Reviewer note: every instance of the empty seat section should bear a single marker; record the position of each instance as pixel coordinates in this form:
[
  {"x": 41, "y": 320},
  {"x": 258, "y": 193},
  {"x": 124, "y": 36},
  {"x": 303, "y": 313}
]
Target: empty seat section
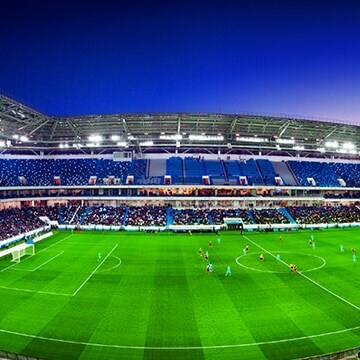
[
  {"x": 251, "y": 172},
  {"x": 174, "y": 168},
  {"x": 233, "y": 171},
  {"x": 267, "y": 171},
  {"x": 194, "y": 170},
  {"x": 215, "y": 170}
]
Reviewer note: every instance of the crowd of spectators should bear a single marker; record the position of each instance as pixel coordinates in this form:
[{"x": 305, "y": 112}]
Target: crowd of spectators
[
  {"x": 146, "y": 216},
  {"x": 15, "y": 221},
  {"x": 218, "y": 215},
  {"x": 341, "y": 214},
  {"x": 269, "y": 216},
  {"x": 104, "y": 215},
  {"x": 308, "y": 214},
  {"x": 191, "y": 217}
]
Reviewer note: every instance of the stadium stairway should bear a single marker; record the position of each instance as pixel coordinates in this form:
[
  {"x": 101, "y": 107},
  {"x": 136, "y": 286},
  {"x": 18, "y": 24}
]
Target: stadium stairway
[
  {"x": 169, "y": 216},
  {"x": 60, "y": 216},
  {"x": 84, "y": 215},
  {"x": 125, "y": 216},
  {"x": 285, "y": 212},
  {"x": 251, "y": 216}
]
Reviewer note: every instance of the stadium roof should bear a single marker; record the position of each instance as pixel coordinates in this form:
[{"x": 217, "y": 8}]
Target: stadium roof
[{"x": 23, "y": 129}]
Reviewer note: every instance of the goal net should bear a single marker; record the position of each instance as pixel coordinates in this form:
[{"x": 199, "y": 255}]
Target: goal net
[{"x": 22, "y": 250}]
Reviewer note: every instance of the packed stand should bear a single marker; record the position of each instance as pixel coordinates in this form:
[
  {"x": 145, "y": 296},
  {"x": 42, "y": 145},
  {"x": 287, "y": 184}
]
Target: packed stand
[
  {"x": 146, "y": 216},
  {"x": 190, "y": 217},
  {"x": 308, "y": 214},
  {"x": 218, "y": 215},
  {"x": 105, "y": 215},
  {"x": 269, "y": 216},
  {"x": 16, "y": 221}
]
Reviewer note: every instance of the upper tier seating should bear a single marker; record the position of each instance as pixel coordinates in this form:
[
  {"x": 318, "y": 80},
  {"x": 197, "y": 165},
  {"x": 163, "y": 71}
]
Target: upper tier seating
[
  {"x": 267, "y": 171},
  {"x": 174, "y": 168},
  {"x": 194, "y": 170},
  {"x": 96, "y": 171},
  {"x": 324, "y": 174},
  {"x": 250, "y": 170}
]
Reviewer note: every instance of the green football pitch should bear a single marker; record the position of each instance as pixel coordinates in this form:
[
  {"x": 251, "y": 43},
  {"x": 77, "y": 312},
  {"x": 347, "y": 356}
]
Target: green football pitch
[{"x": 120, "y": 295}]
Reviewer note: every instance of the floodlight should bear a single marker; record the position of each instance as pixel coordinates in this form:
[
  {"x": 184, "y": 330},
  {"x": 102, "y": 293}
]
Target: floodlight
[
  {"x": 285, "y": 141},
  {"x": 206, "y": 137},
  {"x": 170, "y": 137},
  {"x": 332, "y": 144},
  {"x": 95, "y": 138},
  {"x": 348, "y": 145},
  {"x": 122, "y": 144},
  {"x": 24, "y": 138},
  {"x": 252, "y": 139},
  {"x": 115, "y": 137},
  {"x": 146, "y": 143}
]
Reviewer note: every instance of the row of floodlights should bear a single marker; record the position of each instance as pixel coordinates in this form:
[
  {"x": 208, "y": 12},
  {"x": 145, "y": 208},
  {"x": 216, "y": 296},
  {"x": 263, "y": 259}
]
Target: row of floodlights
[{"x": 95, "y": 141}]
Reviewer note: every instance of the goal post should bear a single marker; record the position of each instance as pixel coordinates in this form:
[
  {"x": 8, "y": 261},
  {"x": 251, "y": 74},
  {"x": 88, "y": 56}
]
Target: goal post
[{"x": 19, "y": 251}]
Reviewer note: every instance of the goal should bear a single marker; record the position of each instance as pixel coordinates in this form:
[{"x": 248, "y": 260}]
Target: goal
[{"x": 19, "y": 251}]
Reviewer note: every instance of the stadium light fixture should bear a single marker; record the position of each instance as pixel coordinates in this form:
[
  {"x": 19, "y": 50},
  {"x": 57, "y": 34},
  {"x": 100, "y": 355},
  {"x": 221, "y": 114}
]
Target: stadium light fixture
[
  {"x": 171, "y": 137},
  {"x": 95, "y": 138},
  {"x": 298, "y": 147},
  {"x": 206, "y": 137},
  {"x": 2, "y": 143},
  {"x": 146, "y": 143},
  {"x": 16, "y": 136},
  {"x": 115, "y": 137},
  {"x": 348, "y": 146},
  {"x": 63, "y": 146},
  {"x": 332, "y": 144},
  {"x": 321, "y": 149},
  {"x": 252, "y": 139},
  {"x": 346, "y": 151},
  {"x": 122, "y": 144},
  {"x": 24, "y": 138},
  {"x": 92, "y": 144},
  {"x": 285, "y": 141},
  {"x": 77, "y": 145}
]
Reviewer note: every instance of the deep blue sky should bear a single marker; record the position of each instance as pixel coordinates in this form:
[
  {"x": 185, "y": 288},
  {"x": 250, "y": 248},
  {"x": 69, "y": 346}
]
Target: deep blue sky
[{"x": 74, "y": 57}]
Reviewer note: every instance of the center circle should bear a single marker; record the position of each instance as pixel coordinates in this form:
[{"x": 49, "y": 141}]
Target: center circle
[{"x": 295, "y": 259}]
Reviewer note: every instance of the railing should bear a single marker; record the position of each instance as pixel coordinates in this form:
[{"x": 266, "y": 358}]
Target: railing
[
  {"x": 4, "y": 355},
  {"x": 341, "y": 355}
]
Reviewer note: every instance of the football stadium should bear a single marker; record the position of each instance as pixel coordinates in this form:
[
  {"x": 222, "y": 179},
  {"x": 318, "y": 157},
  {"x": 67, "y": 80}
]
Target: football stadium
[{"x": 178, "y": 236}]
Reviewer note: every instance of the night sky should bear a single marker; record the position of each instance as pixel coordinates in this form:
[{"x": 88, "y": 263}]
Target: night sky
[{"x": 275, "y": 57}]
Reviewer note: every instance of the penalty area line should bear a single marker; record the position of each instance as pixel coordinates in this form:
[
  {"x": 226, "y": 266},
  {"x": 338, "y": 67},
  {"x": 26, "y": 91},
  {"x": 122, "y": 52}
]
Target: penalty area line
[
  {"x": 46, "y": 262},
  {"x": 94, "y": 271},
  {"x": 306, "y": 277},
  {"x": 34, "y": 291},
  {"x": 57, "y": 242}
]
